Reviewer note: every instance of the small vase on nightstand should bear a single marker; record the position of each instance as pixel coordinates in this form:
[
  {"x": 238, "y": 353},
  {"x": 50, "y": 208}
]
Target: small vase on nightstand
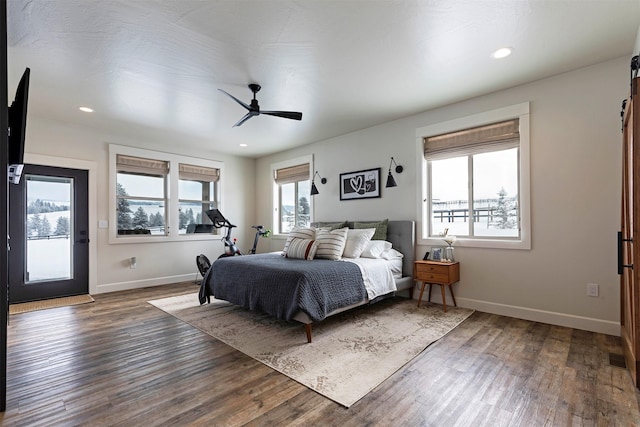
[
  {"x": 448, "y": 254},
  {"x": 448, "y": 250}
]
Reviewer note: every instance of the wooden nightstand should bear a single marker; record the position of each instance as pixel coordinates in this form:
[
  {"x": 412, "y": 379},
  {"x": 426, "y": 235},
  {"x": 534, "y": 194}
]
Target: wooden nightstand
[{"x": 436, "y": 273}]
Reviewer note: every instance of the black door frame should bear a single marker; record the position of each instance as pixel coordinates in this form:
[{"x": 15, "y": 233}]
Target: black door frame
[
  {"x": 4, "y": 211},
  {"x": 19, "y": 291}
]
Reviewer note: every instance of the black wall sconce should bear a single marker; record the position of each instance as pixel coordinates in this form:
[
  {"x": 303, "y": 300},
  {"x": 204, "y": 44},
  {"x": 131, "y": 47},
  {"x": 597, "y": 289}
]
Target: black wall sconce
[
  {"x": 391, "y": 182},
  {"x": 314, "y": 189}
]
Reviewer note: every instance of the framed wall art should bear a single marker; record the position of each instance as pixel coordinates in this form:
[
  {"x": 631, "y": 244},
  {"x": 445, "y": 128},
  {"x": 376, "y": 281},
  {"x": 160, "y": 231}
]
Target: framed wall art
[{"x": 363, "y": 184}]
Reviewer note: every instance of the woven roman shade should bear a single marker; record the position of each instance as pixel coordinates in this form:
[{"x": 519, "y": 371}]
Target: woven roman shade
[
  {"x": 292, "y": 174},
  {"x": 481, "y": 139},
  {"x": 198, "y": 173},
  {"x": 142, "y": 166}
]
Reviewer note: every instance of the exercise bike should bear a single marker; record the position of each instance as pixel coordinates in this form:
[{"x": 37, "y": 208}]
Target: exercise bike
[{"x": 230, "y": 245}]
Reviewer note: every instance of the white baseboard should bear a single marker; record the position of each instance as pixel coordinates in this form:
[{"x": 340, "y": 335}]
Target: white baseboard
[
  {"x": 136, "y": 284},
  {"x": 550, "y": 317}
]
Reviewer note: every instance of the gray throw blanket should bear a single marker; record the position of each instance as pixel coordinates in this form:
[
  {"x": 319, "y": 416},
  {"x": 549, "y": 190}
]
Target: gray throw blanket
[{"x": 283, "y": 286}]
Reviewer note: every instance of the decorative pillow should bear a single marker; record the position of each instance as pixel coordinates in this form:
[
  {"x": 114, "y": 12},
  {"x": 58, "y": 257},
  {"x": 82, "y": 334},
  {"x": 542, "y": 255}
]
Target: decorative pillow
[
  {"x": 380, "y": 226},
  {"x": 331, "y": 243},
  {"x": 302, "y": 249},
  {"x": 357, "y": 242},
  {"x": 298, "y": 233},
  {"x": 330, "y": 225},
  {"x": 375, "y": 249}
]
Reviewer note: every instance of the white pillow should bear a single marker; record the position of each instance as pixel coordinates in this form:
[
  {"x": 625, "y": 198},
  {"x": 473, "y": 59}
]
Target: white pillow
[
  {"x": 298, "y": 233},
  {"x": 331, "y": 243},
  {"x": 302, "y": 249},
  {"x": 391, "y": 254},
  {"x": 357, "y": 241},
  {"x": 375, "y": 249}
]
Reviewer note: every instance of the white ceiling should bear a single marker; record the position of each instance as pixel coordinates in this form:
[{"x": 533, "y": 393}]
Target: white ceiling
[{"x": 151, "y": 68}]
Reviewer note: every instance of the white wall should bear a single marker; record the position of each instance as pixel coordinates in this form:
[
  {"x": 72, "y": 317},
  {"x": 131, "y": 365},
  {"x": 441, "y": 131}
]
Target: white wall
[
  {"x": 575, "y": 197},
  {"x": 158, "y": 263}
]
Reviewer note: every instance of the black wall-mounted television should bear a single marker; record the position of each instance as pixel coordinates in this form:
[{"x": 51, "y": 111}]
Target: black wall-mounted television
[{"x": 18, "y": 128}]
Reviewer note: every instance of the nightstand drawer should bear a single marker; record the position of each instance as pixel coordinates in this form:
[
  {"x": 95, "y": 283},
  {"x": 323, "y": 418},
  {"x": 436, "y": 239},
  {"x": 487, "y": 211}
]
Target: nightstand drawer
[
  {"x": 432, "y": 277},
  {"x": 425, "y": 269}
]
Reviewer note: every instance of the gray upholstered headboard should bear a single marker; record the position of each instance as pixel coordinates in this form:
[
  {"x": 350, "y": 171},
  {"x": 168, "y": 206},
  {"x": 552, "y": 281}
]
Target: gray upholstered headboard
[{"x": 402, "y": 235}]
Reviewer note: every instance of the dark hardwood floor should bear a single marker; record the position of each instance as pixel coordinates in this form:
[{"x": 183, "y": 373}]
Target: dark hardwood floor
[{"x": 122, "y": 362}]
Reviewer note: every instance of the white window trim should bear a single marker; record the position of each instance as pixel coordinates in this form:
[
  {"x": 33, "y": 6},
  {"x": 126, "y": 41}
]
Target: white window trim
[
  {"x": 519, "y": 110},
  {"x": 174, "y": 160},
  {"x": 275, "y": 201}
]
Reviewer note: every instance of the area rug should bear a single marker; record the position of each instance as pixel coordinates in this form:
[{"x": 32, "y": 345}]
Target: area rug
[
  {"x": 351, "y": 353},
  {"x": 49, "y": 303}
]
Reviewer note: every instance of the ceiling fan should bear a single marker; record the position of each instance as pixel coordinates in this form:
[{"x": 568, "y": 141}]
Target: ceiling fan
[{"x": 254, "y": 108}]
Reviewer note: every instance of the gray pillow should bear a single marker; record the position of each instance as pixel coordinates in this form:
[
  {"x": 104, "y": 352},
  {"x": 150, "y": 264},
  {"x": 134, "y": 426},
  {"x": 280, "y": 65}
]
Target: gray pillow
[
  {"x": 330, "y": 225},
  {"x": 380, "y": 226}
]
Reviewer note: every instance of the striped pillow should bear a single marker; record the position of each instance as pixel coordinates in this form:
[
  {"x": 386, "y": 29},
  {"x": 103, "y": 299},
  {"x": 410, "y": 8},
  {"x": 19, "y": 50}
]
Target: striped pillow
[
  {"x": 331, "y": 243},
  {"x": 298, "y": 233},
  {"x": 302, "y": 249}
]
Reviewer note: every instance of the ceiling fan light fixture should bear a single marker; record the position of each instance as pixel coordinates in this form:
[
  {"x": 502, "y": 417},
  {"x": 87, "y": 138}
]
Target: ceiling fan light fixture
[{"x": 253, "y": 109}]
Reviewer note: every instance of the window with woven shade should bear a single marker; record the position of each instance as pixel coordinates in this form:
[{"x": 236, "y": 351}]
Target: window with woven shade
[
  {"x": 141, "y": 195},
  {"x": 473, "y": 180},
  {"x": 158, "y": 196},
  {"x": 197, "y": 193},
  {"x": 292, "y": 194}
]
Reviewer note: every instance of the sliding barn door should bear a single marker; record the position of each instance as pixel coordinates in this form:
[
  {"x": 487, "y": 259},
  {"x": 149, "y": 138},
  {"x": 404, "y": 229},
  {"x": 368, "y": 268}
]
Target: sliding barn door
[{"x": 628, "y": 247}]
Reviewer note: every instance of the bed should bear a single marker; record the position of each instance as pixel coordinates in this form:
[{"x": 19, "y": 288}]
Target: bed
[{"x": 309, "y": 291}]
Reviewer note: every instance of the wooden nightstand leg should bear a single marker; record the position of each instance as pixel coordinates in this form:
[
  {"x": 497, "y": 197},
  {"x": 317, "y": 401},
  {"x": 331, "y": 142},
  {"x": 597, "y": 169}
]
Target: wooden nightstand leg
[
  {"x": 444, "y": 300},
  {"x": 421, "y": 292},
  {"x": 430, "y": 286},
  {"x": 452, "y": 296}
]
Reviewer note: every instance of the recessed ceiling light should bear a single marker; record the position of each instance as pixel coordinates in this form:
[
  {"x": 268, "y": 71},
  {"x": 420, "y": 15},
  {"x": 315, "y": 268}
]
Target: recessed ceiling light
[
  {"x": 502, "y": 53},
  {"x": 243, "y": 145},
  {"x": 86, "y": 109}
]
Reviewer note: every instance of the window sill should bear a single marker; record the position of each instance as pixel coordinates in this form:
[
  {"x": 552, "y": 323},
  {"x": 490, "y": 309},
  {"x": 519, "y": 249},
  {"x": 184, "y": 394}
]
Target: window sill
[
  {"x": 461, "y": 242},
  {"x": 128, "y": 239}
]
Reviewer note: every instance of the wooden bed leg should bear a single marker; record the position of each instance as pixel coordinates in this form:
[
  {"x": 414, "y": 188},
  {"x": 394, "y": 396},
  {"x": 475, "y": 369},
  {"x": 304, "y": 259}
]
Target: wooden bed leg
[{"x": 307, "y": 328}]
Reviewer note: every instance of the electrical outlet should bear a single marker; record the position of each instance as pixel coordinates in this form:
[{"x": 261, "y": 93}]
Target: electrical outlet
[{"x": 592, "y": 289}]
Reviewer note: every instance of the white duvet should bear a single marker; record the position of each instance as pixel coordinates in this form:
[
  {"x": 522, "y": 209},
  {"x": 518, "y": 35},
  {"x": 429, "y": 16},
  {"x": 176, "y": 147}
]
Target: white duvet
[{"x": 377, "y": 275}]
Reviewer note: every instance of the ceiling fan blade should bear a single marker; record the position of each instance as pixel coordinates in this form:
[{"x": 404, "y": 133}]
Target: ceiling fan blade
[
  {"x": 236, "y": 99},
  {"x": 245, "y": 118},
  {"x": 286, "y": 114}
]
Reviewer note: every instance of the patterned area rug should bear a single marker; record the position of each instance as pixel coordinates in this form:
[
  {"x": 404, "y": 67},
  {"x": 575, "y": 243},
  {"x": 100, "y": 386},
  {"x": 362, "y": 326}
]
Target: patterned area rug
[
  {"x": 351, "y": 353},
  {"x": 25, "y": 307}
]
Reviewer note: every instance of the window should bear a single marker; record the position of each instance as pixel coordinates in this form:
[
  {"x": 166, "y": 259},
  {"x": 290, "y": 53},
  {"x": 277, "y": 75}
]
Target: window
[
  {"x": 160, "y": 196},
  {"x": 197, "y": 188},
  {"x": 292, "y": 196},
  {"x": 475, "y": 180},
  {"x": 141, "y": 201}
]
